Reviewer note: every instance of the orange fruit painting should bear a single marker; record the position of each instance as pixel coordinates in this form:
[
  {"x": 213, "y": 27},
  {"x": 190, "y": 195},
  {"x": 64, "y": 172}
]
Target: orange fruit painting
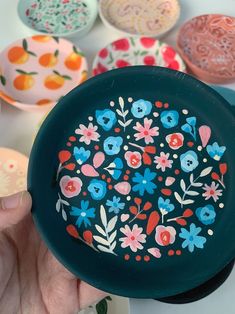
[
  {"x": 42, "y": 38},
  {"x": 24, "y": 81},
  {"x": 55, "y": 80},
  {"x": 74, "y": 60},
  {"x": 83, "y": 77},
  {"x": 44, "y": 101},
  {"x": 7, "y": 98},
  {"x": 49, "y": 60},
  {"x": 20, "y": 55}
]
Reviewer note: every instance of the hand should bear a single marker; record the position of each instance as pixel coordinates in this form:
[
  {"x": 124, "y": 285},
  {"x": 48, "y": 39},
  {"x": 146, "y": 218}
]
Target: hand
[{"x": 32, "y": 280}]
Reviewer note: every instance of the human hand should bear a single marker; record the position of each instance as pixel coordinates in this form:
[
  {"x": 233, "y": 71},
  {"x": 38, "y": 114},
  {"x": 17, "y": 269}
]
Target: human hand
[{"x": 32, "y": 280}]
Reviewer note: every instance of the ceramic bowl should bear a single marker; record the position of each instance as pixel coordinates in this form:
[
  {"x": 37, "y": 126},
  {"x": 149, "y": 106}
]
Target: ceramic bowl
[
  {"x": 146, "y": 18},
  {"x": 13, "y": 171},
  {"x": 134, "y": 169},
  {"x": 207, "y": 45},
  {"x": 131, "y": 51},
  {"x": 58, "y": 18},
  {"x": 36, "y": 72}
]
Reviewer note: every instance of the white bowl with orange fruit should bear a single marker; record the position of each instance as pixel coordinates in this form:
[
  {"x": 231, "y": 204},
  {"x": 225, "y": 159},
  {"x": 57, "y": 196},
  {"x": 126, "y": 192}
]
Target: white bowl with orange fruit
[{"x": 35, "y": 72}]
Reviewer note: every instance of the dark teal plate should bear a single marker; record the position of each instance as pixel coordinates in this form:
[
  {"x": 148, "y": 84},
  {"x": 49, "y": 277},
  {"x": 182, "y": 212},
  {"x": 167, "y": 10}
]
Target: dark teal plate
[
  {"x": 227, "y": 93},
  {"x": 132, "y": 179}
]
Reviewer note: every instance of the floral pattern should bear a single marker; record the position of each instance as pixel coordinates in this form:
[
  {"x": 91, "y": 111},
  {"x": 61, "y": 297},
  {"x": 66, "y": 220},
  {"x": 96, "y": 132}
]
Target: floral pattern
[{"x": 141, "y": 180}]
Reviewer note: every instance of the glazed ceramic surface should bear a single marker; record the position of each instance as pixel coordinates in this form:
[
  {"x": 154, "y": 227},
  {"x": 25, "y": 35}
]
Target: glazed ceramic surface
[
  {"x": 13, "y": 171},
  {"x": 136, "y": 51},
  {"x": 149, "y": 18},
  {"x": 36, "y": 72},
  {"x": 58, "y": 18},
  {"x": 207, "y": 44},
  {"x": 227, "y": 93},
  {"x": 140, "y": 183}
]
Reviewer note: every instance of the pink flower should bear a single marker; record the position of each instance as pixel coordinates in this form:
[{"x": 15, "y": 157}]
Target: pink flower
[
  {"x": 133, "y": 159},
  {"x": 211, "y": 191},
  {"x": 133, "y": 238},
  {"x": 165, "y": 235},
  {"x": 163, "y": 162},
  {"x": 88, "y": 133},
  {"x": 70, "y": 187},
  {"x": 145, "y": 131},
  {"x": 175, "y": 140}
]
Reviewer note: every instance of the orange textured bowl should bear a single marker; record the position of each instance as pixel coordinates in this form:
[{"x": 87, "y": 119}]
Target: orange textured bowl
[{"x": 207, "y": 45}]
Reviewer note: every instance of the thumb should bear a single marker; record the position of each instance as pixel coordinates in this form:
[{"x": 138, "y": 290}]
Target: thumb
[{"x": 14, "y": 208}]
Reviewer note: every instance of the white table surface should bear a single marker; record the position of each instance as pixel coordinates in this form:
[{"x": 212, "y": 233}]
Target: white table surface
[{"x": 17, "y": 129}]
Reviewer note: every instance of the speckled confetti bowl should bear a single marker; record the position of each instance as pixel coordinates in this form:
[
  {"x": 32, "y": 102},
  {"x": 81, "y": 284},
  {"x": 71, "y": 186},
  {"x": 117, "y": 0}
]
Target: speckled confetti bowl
[{"x": 132, "y": 179}]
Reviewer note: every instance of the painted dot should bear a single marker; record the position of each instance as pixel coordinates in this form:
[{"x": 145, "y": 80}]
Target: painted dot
[
  {"x": 185, "y": 111},
  {"x": 178, "y": 252},
  {"x": 78, "y": 171},
  {"x": 128, "y": 198},
  {"x": 160, "y": 179},
  {"x": 72, "y": 139},
  {"x": 138, "y": 258},
  {"x": 103, "y": 176},
  {"x": 117, "y": 130},
  {"x": 112, "y": 103},
  {"x": 190, "y": 144},
  {"x": 221, "y": 205},
  {"x": 128, "y": 137},
  {"x": 69, "y": 144},
  {"x": 126, "y": 177},
  {"x": 199, "y": 148},
  {"x": 175, "y": 156},
  {"x": 147, "y": 258},
  {"x": 127, "y": 257},
  {"x": 84, "y": 193},
  {"x": 97, "y": 147},
  {"x": 166, "y": 105},
  {"x": 130, "y": 99},
  {"x": 110, "y": 187},
  {"x": 128, "y": 172},
  {"x": 90, "y": 118},
  {"x": 171, "y": 252},
  {"x": 162, "y": 145},
  {"x": 177, "y": 171},
  {"x": 155, "y": 114},
  {"x": 158, "y": 104},
  {"x": 204, "y": 160},
  {"x": 109, "y": 180},
  {"x": 210, "y": 232},
  {"x": 125, "y": 147}
]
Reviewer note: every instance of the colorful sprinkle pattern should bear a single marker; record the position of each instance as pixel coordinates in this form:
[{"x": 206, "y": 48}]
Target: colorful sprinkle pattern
[{"x": 142, "y": 180}]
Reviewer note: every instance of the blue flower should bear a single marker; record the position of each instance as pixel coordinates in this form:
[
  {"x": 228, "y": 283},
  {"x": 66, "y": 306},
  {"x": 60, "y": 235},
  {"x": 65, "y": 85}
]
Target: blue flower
[
  {"x": 165, "y": 206},
  {"x": 206, "y": 214},
  {"x": 115, "y": 168},
  {"x": 189, "y": 161},
  {"x": 112, "y": 145},
  {"x": 190, "y": 126},
  {"x": 169, "y": 118},
  {"x": 106, "y": 118},
  {"x": 191, "y": 238},
  {"x": 81, "y": 155},
  {"x": 115, "y": 205},
  {"x": 144, "y": 182},
  {"x": 97, "y": 188},
  {"x": 141, "y": 108},
  {"x": 83, "y": 213},
  {"x": 215, "y": 151}
]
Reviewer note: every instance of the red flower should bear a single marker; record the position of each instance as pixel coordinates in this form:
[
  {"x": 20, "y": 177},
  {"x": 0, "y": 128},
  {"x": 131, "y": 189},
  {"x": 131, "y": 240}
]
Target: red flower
[
  {"x": 147, "y": 42},
  {"x": 103, "y": 53},
  {"x": 175, "y": 140},
  {"x": 149, "y": 60},
  {"x": 122, "y": 63},
  {"x": 121, "y": 44},
  {"x": 174, "y": 65},
  {"x": 168, "y": 53}
]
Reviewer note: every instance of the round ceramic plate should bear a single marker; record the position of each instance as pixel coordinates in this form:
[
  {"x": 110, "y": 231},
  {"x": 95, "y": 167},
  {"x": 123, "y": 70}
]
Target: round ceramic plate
[
  {"x": 13, "y": 171},
  {"x": 227, "y": 93},
  {"x": 136, "y": 51},
  {"x": 136, "y": 17},
  {"x": 132, "y": 179},
  {"x": 207, "y": 44},
  {"x": 36, "y": 72}
]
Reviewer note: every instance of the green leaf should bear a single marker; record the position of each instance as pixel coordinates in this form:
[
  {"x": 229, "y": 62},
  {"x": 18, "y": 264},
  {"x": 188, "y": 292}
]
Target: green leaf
[
  {"x": 144, "y": 53},
  {"x": 132, "y": 41},
  {"x": 3, "y": 80},
  {"x": 32, "y": 53},
  {"x": 75, "y": 50},
  {"x": 66, "y": 77},
  {"x": 56, "y": 72},
  {"x": 108, "y": 298},
  {"x": 25, "y": 45},
  {"x": 56, "y": 39},
  {"x": 102, "y": 307},
  {"x": 56, "y": 53},
  {"x": 32, "y": 73},
  {"x": 21, "y": 71}
]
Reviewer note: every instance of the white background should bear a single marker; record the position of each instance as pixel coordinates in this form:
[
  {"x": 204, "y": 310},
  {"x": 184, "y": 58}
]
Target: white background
[{"x": 17, "y": 130}]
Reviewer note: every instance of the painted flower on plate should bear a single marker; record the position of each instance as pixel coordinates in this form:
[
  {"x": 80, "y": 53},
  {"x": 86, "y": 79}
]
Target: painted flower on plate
[
  {"x": 175, "y": 140},
  {"x": 70, "y": 186},
  {"x": 112, "y": 145},
  {"x": 190, "y": 126},
  {"x": 133, "y": 238},
  {"x": 212, "y": 191},
  {"x": 84, "y": 213},
  {"x": 106, "y": 118},
  {"x": 141, "y": 108},
  {"x": 81, "y": 155},
  {"x": 163, "y": 161},
  {"x": 88, "y": 133},
  {"x": 169, "y": 118},
  {"x": 191, "y": 238},
  {"x": 145, "y": 131},
  {"x": 189, "y": 161},
  {"x": 206, "y": 214},
  {"x": 97, "y": 189},
  {"x": 165, "y": 235},
  {"x": 115, "y": 205},
  {"x": 133, "y": 159},
  {"x": 215, "y": 151},
  {"x": 165, "y": 206},
  {"x": 144, "y": 182}
]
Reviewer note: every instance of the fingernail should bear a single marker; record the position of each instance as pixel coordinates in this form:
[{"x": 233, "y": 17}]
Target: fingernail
[{"x": 12, "y": 201}]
